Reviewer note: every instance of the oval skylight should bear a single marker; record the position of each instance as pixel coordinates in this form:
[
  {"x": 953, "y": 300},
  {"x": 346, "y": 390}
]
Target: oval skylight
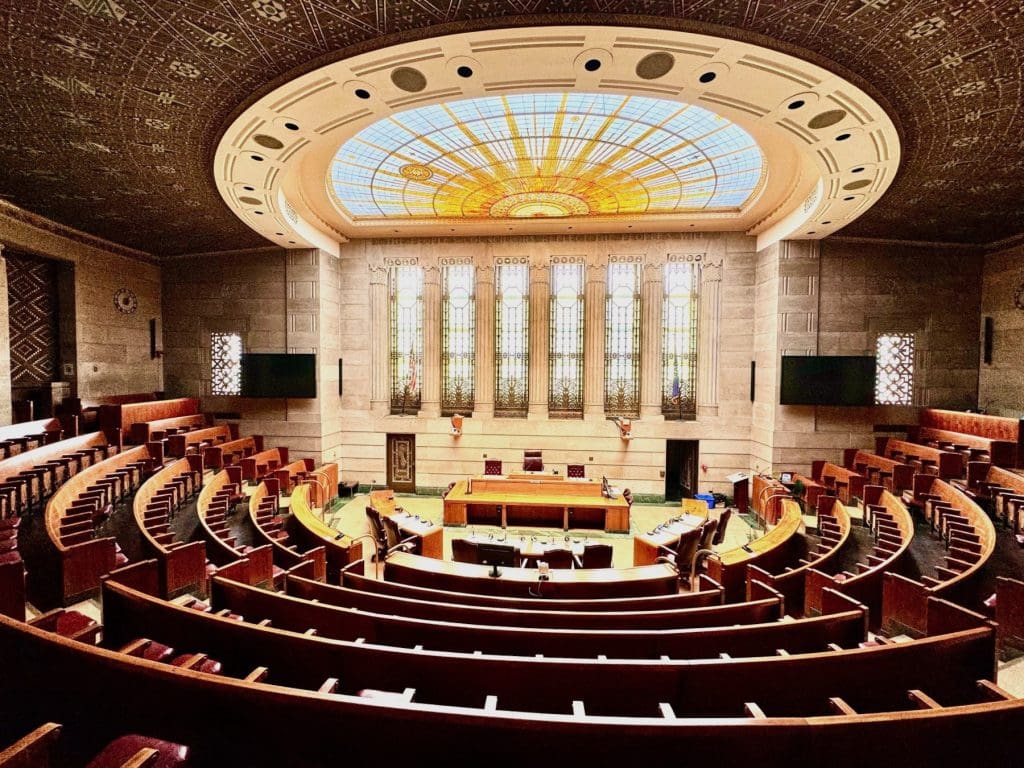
[{"x": 546, "y": 155}]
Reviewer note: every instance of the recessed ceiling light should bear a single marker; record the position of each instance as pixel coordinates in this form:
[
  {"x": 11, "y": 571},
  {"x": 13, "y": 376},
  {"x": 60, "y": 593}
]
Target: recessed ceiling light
[
  {"x": 247, "y": 188},
  {"x": 795, "y": 104},
  {"x": 279, "y": 234},
  {"x": 707, "y": 77},
  {"x": 842, "y": 137},
  {"x": 464, "y": 71},
  {"x": 825, "y": 222},
  {"x": 592, "y": 65},
  {"x": 858, "y": 169},
  {"x": 292, "y": 126},
  {"x": 258, "y": 213},
  {"x": 362, "y": 93},
  {"x": 848, "y": 198},
  {"x": 257, "y": 158}
]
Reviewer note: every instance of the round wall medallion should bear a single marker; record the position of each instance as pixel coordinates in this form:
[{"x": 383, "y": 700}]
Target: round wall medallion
[
  {"x": 125, "y": 301},
  {"x": 1018, "y": 297}
]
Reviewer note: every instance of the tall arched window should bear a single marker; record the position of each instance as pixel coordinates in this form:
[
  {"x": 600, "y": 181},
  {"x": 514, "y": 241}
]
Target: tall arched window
[
  {"x": 458, "y": 343},
  {"x": 565, "y": 349},
  {"x": 622, "y": 340},
  {"x": 405, "y": 286},
  {"x": 512, "y": 339},
  {"x": 679, "y": 341}
]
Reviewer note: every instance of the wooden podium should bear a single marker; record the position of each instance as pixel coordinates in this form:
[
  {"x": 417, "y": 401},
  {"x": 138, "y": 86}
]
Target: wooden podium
[{"x": 740, "y": 491}]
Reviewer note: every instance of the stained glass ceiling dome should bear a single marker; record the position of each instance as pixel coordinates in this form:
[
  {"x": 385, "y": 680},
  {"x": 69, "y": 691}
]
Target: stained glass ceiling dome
[{"x": 538, "y": 155}]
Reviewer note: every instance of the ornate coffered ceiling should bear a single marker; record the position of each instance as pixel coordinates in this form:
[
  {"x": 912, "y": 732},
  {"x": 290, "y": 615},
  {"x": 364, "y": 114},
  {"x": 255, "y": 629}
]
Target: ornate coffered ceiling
[{"x": 113, "y": 107}]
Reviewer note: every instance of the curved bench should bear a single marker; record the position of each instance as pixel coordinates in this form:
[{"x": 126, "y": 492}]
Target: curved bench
[
  {"x": 754, "y": 629},
  {"x": 182, "y": 564},
  {"x": 30, "y": 476},
  {"x": 254, "y": 565},
  {"x": 779, "y": 547},
  {"x": 834, "y": 525},
  {"x": 267, "y": 527},
  {"x": 891, "y": 547},
  {"x": 839, "y": 708},
  {"x": 308, "y": 532},
  {"x": 79, "y": 559},
  {"x": 971, "y": 539}
]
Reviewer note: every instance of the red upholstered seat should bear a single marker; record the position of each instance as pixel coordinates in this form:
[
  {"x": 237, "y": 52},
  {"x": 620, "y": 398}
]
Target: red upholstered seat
[
  {"x": 121, "y": 750},
  {"x": 492, "y": 466},
  {"x": 575, "y": 470},
  {"x": 532, "y": 461}
]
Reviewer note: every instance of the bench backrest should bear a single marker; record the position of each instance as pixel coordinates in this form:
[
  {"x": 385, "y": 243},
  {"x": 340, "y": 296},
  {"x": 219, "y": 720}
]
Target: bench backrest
[
  {"x": 948, "y": 463},
  {"x": 116, "y": 419}
]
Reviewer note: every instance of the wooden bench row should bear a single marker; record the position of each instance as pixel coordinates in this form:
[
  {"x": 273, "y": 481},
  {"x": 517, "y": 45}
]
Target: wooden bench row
[
  {"x": 924, "y": 459},
  {"x": 970, "y": 539},
  {"x": 893, "y": 529},
  {"x": 834, "y": 530},
  {"x": 894, "y": 476},
  {"x": 269, "y": 527},
  {"x": 30, "y": 478}
]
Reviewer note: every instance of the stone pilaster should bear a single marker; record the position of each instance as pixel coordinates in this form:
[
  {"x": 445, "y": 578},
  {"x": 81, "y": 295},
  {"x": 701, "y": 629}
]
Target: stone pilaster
[
  {"x": 540, "y": 314},
  {"x": 652, "y": 297},
  {"x": 593, "y": 338},
  {"x": 430, "y": 402},
  {"x": 708, "y": 321},
  {"x": 380, "y": 391},
  {"x": 484, "y": 369}
]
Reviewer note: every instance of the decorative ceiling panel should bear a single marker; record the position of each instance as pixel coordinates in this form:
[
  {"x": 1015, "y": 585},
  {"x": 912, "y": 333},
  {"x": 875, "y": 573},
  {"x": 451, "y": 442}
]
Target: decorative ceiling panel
[
  {"x": 551, "y": 154},
  {"x": 112, "y": 107}
]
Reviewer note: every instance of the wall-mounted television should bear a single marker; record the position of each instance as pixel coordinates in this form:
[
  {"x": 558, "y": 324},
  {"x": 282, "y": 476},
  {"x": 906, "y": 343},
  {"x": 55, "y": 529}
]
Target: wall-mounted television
[
  {"x": 827, "y": 380},
  {"x": 278, "y": 375}
]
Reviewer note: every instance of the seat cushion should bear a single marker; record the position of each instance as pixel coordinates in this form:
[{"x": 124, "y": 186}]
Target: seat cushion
[{"x": 119, "y": 751}]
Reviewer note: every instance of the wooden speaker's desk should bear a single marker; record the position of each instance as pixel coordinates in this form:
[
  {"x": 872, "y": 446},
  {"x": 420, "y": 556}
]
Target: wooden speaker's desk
[
  {"x": 518, "y": 502},
  {"x": 431, "y": 537},
  {"x": 589, "y": 583}
]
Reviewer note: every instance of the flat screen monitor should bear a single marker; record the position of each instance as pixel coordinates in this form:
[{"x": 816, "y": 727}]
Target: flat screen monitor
[
  {"x": 496, "y": 554},
  {"x": 827, "y": 380},
  {"x": 278, "y": 375},
  {"x": 786, "y": 477}
]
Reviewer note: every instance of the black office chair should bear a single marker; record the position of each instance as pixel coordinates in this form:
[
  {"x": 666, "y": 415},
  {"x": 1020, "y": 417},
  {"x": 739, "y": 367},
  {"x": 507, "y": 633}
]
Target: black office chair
[
  {"x": 394, "y": 538},
  {"x": 557, "y": 558},
  {"x": 464, "y": 551},
  {"x": 684, "y": 556},
  {"x": 379, "y": 534},
  {"x": 595, "y": 556},
  {"x": 723, "y": 523}
]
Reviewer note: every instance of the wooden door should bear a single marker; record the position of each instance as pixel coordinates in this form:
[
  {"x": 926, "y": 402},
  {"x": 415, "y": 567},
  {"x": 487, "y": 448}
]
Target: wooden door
[
  {"x": 681, "y": 457},
  {"x": 402, "y": 463}
]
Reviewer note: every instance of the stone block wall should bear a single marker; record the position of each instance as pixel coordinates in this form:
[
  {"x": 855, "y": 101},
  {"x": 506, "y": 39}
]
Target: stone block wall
[{"x": 1001, "y": 383}]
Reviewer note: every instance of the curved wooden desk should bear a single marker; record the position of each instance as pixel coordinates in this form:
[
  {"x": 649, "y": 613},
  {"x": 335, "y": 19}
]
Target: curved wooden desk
[
  {"x": 646, "y": 545},
  {"x": 431, "y": 537},
  {"x": 309, "y": 531},
  {"x": 516, "y": 502},
  {"x": 404, "y": 568},
  {"x": 773, "y": 551}
]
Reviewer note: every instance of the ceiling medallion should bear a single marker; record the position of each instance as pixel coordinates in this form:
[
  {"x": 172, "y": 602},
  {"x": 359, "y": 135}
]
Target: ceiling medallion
[
  {"x": 524, "y": 205},
  {"x": 1018, "y": 297},
  {"x": 125, "y": 301},
  {"x": 416, "y": 172}
]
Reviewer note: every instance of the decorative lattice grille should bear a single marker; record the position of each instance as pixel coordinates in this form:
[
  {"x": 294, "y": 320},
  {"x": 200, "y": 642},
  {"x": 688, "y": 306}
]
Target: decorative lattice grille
[
  {"x": 894, "y": 369},
  {"x": 512, "y": 343},
  {"x": 565, "y": 352},
  {"x": 622, "y": 340},
  {"x": 405, "y": 285},
  {"x": 679, "y": 341},
  {"x": 458, "y": 345},
  {"x": 225, "y": 364}
]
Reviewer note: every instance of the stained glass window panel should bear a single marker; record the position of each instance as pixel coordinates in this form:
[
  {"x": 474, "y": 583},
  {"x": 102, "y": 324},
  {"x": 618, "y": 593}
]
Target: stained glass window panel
[
  {"x": 894, "y": 371},
  {"x": 225, "y": 364},
  {"x": 458, "y": 343},
  {"x": 565, "y": 350},
  {"x": 512, "y": 343},
  {"x": 679, "y": 341},
  {"x": 406, "y": 321},
  {"x": 622, "y": 340}
]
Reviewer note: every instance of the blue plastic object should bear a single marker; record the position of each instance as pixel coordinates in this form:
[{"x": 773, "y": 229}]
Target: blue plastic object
[{"x": 707, "y": 498}]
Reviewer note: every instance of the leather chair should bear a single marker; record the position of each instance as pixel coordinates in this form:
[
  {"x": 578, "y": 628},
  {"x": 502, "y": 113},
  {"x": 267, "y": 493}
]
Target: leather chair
[
  {"x": 595, "y": 556},
  {"x": 464, "y": 551},
  {"x": 380, "y": 536},
  {"x": 575, "y": 470},
  {"x": 684, "y": 556},
  {"x": 394, "y": 537},
  {"x": 557, "y": 558},
  {"x": 723, "y": 523},
  {"x": 492, "y": 466},
  {"x": 533, "y": 461}
]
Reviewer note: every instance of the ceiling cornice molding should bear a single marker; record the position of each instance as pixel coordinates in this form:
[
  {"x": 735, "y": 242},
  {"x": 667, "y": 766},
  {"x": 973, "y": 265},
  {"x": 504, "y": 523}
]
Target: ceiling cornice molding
[
  {"x": 263, "y": 250},
  {"x": 972, "y": 247},
  {"x": 18, "y": 218}
]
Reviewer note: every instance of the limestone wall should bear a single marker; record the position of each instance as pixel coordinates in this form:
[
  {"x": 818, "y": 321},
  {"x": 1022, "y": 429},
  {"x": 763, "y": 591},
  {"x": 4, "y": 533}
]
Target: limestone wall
[{"x": 1001, "y": 383}]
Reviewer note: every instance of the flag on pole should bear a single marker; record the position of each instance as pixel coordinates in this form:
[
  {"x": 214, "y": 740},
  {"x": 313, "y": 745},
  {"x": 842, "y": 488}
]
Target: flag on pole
[{"x": 677, "y": 391}]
